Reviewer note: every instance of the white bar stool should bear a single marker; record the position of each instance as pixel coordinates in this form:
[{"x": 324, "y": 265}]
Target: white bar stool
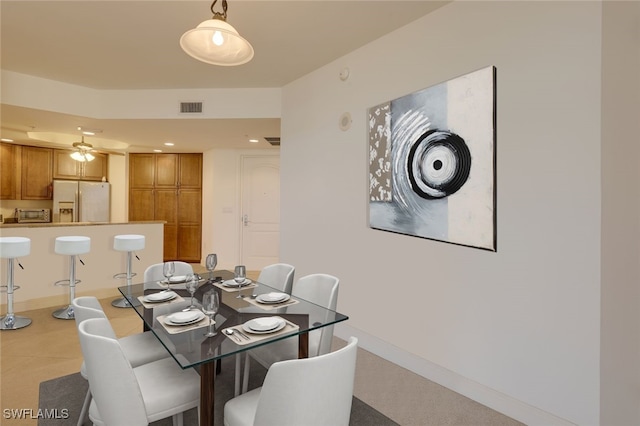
[
  {"x": 127, "y": 243},
  {"x": 72, "y": 247},
  {"x": 10, "y": 249}
]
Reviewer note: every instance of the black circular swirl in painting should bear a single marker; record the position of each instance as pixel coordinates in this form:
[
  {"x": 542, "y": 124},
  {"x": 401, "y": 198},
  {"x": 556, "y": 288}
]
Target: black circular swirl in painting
[{"x": 438, "y": 164}]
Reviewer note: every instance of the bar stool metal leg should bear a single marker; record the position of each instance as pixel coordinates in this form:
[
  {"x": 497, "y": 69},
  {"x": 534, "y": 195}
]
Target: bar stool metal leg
[
  {"x": 123, "y": 302},
  {"x": 66, "y": 313},
  {"x": 11, "y": 321},
  {"x": 128, "y": 243}
]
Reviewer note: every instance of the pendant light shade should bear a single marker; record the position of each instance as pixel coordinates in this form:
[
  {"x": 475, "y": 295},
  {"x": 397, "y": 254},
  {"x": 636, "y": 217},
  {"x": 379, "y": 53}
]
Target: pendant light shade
[{"x": 216, "y": 42}]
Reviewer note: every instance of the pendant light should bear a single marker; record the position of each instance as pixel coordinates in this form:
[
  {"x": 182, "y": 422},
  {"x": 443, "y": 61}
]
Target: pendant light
[
  {"x": 216, "y": 42},
  {"x": 82, "y": 154}
]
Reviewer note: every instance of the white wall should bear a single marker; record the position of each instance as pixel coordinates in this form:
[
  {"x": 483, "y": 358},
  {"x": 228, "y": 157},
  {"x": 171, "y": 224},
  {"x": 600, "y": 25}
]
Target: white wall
[
  {"x": 620, "y": 347},
  {"x": 518, "y": 329},
  {"x": 119, "y": 179}
]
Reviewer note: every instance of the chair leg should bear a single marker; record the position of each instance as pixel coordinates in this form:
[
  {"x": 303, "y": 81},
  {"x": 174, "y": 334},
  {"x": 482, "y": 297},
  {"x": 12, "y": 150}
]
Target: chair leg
[
  {"x": 178, "y": 419},
  {"x": 85, "y": 408},
  {"x": 245, "y": 381},
  {"x": 237, "y": 376}
]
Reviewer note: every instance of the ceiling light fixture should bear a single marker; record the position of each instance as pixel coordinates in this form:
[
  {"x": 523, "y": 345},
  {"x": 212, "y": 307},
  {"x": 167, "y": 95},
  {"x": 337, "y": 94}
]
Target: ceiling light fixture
[
  {"x": 89, "y": 132},
  {"x": 216, "y": 42},
  {"x": 82, "y": 154}
]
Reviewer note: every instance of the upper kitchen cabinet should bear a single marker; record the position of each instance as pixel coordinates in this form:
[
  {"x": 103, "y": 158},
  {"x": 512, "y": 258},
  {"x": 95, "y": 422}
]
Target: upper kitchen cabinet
[
  {"x": 37, "y": 173},
  {"x": 65, "y": 167},
  {"x": 10, "y": 179},
  {"x": 167, "y": 170},
  {"x": 142, "y": 171},
  {"x": 190, "y": 171}
]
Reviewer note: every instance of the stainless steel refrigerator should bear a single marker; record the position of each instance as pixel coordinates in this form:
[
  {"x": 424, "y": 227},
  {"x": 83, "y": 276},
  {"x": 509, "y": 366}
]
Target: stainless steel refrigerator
[{"x": 81, "y": 201}]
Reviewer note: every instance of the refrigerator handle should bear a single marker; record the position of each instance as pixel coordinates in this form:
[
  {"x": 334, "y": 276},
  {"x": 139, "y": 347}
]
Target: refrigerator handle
[{"x": 77, "y": 212}]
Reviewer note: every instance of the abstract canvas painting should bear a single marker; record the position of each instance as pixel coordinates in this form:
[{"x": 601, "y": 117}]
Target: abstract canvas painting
[{"x": 432, "y": 162}]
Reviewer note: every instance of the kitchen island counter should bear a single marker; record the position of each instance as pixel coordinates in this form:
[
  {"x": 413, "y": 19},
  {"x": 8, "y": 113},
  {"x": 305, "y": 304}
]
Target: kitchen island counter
[
  {"x": 71, "y": 224},
  {"x": 43, "y": 266}
]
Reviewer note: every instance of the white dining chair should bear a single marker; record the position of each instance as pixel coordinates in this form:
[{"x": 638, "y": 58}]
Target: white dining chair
[
  {"x": 321, "y": 289},
  {"x": 311, "y": 391},
  {"x": 132, "y": 396},
  {"x": 153, "y": 274},
  {"x": 279, "y": 276},
  {"x": 138, "y": 348}
]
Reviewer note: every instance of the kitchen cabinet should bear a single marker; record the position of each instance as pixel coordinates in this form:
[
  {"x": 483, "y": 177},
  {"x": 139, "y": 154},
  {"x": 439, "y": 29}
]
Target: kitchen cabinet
[
  {"x": 168, "y": 187},
  {"x": 37, "y": 173},
  {"x": 10, "y": 178},
  {"x": 65, "y": 167}
]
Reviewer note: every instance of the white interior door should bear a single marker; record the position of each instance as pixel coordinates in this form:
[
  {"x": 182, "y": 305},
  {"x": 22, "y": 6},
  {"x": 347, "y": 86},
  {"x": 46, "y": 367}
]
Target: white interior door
[{"x": 260, "y": 215}]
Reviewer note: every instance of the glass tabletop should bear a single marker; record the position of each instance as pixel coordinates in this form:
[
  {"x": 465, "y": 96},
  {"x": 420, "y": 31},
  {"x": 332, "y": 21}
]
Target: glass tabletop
[{"x": 258, "y": 318}]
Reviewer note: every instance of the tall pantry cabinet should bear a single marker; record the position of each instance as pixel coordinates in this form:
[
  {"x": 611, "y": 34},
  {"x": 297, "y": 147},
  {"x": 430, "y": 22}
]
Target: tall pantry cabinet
[{"x": 168, "y": 187}]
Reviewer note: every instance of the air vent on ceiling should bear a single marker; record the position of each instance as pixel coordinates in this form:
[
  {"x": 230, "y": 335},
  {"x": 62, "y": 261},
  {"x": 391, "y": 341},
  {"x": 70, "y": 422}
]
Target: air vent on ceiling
[
  {"x": 190, "y": 107},
  {"x": 275, "y": 141}
]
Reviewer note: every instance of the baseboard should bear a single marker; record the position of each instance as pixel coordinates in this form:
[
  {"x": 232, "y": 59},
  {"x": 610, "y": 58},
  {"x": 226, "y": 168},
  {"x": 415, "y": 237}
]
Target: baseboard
[{"x": 484, "y": 395}]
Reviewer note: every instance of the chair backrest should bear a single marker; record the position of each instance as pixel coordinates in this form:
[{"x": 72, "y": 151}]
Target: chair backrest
[
  {"x": 113, "y": 384},
  {"x": 310, "y": 391},
  {"x": 321, "y": 289},
  {"x": 87, "y": 307},
  {"x": 153, "y": 273},
  {"x": 278, "y": 275}
]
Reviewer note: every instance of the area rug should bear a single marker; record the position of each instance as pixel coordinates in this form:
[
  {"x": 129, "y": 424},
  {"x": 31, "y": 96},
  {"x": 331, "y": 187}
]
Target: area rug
[{"x": 61, "y": 400}]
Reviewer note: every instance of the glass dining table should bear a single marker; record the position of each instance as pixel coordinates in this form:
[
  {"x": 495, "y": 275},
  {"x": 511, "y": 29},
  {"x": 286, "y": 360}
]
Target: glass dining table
[{"x": 260, "y": 316}]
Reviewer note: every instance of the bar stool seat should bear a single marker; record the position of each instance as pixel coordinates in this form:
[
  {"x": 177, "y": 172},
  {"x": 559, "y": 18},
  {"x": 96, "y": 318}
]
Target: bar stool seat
[
  {"x": 71, "y": 246},
  {"x": 10, "y": 249},
  {"x": 128, "y": 243}
]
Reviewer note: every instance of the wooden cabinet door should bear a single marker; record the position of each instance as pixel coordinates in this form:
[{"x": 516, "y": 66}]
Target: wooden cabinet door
[
  {"x": 189, "y": 225},
  {"x": 65, "y": 167},
  {"x": 141, "y": 204},
  {"x": 167, "y": 170},
  {"x": 37, "y": 173},
  {"x": 189, "y": 243},
  {"x": 96, "y": 169},
  {"x": 190, "y": 171},
  {"x": 142, "y": 170},
  {"x": 10, "y": 160}
]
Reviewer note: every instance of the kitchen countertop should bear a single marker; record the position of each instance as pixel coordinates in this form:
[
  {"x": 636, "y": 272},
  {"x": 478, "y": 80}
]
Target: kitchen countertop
[{"x": 61, "y": 224}]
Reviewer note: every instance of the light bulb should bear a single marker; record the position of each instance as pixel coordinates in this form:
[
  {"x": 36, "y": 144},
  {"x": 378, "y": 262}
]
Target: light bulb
[
  {"x": 217, "y": 38},
  {"x": 77, "y": 156}
]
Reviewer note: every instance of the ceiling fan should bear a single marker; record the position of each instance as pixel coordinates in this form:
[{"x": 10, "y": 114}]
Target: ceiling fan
[{"x": 83, "y": 151}]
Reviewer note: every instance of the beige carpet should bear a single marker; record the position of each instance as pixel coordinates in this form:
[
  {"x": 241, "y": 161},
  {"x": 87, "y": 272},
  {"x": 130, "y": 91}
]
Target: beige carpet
[{"x": 411, "y": 400}]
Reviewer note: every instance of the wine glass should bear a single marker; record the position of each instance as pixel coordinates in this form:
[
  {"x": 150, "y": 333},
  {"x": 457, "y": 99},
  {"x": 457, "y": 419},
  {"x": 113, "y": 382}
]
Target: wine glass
[
  {"x": 240, "y": 278},
  {"x": 212, "y": 261},
  {"x": 168, "y": 269},
  {"x": 191, "y": 284},
  {"x": 210, "y": 305}
]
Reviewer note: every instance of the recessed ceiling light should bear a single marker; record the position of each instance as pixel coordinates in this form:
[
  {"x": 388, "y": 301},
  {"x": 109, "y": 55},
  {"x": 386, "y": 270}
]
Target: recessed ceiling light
[
  {"x": 157, "y": 150},
  {"x": 6, "y": 140},
  {"x": 89, "y": 132},
  {"x": 168, "y": 143},
  {"x": 254, "y": 140}
]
